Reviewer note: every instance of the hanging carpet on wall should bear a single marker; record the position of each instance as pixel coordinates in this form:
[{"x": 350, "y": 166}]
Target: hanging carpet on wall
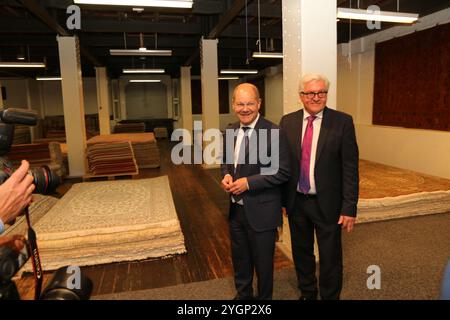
[{"x": 110, "y": 221}]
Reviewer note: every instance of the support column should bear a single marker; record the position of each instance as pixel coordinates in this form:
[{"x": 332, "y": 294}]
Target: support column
[
  {"x": 309, "y": 46},
  {"x": 103, "y": 100},
  {"x": 73, "y": 104},
  {"x": 186, "y": 103},
  {"x": 122, "y": 98},
  {"x": 210, "y": 87},
  {"x": 1, "y": 97}
]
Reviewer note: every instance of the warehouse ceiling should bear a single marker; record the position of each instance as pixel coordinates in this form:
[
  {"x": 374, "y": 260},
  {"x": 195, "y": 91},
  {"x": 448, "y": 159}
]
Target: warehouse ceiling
[{"x": 30, "y": 27}]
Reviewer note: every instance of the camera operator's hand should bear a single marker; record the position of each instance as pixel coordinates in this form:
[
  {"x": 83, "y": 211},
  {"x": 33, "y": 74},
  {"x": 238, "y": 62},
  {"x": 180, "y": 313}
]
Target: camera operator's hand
[
  {"x": 15, "y": 242},
  {"x": 16, "y": 193}
]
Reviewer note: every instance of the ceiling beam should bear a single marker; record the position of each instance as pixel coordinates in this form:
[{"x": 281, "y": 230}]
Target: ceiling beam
[
  {"x": 223, "y": 23},
  {"x": 45, "y": 17}
]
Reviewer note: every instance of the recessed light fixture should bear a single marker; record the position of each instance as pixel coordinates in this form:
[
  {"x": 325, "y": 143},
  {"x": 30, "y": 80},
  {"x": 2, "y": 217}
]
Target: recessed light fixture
[
  {"x": 140, "y": 3},
  {"x": 139, "y": 52},
  {"x": 384, "y": 16},
  {"x": 276, "y": 55},
  {"x": 143, "y": 70},
  {"x": 228, "y": 78},
  {"x": 48, "y": 78},
  {"x": 138, "y": 10},
  {"x": 144, "y": 80},
  {"x": 22, "y": 65},
  {"x": 238, "y": 71}
]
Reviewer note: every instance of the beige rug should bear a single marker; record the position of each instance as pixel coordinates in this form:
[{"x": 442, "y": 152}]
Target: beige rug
[
  {"x": 110, "y": 221},
  {"x": 39, "y": 207}
]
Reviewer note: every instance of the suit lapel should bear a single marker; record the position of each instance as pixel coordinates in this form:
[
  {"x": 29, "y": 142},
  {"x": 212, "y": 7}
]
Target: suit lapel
[
  {"x": 297, "y": 134},
  {"x": 324, "y": 130},
  {"x": 258, "y": 125}
]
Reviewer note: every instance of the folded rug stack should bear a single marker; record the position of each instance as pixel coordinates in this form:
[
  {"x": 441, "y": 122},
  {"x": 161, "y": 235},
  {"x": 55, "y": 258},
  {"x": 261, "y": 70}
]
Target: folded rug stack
[
  {"x": 144, "y": 145},
  {"x": 38, "y": 155},
  {"x": 22, "y": 134},
  {"x": 111, "y": 159},
  {"x": 129, "y": 127},
  {"x": 110, "y": 221}
]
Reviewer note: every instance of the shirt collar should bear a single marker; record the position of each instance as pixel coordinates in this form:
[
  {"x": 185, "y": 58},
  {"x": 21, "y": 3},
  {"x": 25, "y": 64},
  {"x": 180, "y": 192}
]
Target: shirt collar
[
  {"x": 251, "y": 125},
  {"x": 306, "y": 114}
]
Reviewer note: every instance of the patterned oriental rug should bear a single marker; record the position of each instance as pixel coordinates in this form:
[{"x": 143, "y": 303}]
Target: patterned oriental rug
[
  {"x": 110, "y": 221},
  {"x": 387, "y": 192}
]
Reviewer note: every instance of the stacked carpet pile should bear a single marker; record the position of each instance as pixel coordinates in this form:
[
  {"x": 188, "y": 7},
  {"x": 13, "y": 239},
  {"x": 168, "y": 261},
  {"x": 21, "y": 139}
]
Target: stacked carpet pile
[
  {"x": 145, "y": 147},
  {"x": 22, "y": 134},
  {"x": 387, "y": 192},
  {"x": 161, "y": 132},
  {"x": 38, "y": 154},
  {"x": 110, "y": 221},
  {"x": 129, "y": 127},
  {"x": 113, "y": 158}
]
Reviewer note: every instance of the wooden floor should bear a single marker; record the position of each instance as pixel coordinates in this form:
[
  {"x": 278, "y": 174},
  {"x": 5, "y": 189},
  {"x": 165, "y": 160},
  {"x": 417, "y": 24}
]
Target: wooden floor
[{"x": 201, "y": 206}]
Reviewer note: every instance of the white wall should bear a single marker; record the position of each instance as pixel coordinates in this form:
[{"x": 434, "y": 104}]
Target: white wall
[
  {"x": 15, "y": 93},
  {"x": 426, "y": 151},
  {"x": 168, "y": 94},
  {"x": 273, "y": 84},
  {"x": 46, "y": 96}
]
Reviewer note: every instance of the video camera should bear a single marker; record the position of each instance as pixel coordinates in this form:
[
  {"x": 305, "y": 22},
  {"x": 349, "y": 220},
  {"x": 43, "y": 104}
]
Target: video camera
[{"x": 45, "y": 181}]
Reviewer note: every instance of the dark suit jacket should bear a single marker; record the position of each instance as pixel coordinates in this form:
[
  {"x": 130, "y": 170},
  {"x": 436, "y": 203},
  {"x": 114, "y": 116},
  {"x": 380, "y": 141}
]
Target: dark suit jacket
[
  {"x": 336, "y": 166},
  {"x": 262, "y": 202}
]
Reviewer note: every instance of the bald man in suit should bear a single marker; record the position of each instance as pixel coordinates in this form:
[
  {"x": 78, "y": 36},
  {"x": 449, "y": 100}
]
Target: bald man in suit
[{"x": 255, "y": 192}]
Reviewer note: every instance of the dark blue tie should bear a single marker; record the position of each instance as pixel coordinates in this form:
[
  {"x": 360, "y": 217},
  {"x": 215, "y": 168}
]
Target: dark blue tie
[{"x": 242, "y": 159}]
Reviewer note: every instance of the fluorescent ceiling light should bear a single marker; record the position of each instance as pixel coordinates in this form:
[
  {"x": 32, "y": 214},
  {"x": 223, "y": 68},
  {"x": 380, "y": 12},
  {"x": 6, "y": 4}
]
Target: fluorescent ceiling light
[
  {"x": 143, "y": 70},
  {"x": 22, "y": 65},
  {"x": 48, "y": 78},
  {"x": 258, "y": 54},
  {"x": 385, "y": 16},
  {"x": 228, "y": 78},
  {"x": 139, "y": 52},
  {"x": 140, "y": 3},
  {"x": 144, "y": 80},
  {"x": 238, "y": 71}
]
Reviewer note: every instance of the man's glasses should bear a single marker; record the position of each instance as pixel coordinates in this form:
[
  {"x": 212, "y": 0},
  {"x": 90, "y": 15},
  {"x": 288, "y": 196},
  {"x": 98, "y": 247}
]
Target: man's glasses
[{"x": 311, "y": 95}]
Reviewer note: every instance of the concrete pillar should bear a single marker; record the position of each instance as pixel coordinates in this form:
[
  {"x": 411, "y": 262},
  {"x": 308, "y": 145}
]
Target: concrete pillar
[
  {"x": 73, "y": 104},
  {"x": 103, "y": 102},
  {"x": 210, "y": 87},
  {"x": 186, "y": 102},
  {"x": 1, "y": 97},
  {"x": 309, "y": 46},
  {"x": 122, "y": 98}
]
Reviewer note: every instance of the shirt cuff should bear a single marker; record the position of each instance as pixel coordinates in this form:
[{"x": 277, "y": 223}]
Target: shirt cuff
[{"x": 2, "y": 226}]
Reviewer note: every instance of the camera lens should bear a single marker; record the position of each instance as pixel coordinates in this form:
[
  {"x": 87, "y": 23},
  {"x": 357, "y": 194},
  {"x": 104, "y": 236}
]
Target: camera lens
[{"x": 45, "y": 180}]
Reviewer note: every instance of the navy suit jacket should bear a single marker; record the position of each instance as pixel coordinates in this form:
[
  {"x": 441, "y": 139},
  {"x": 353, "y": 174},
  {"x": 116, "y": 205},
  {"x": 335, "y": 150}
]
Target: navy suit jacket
[
  {"x": 336, "y": 166},
  {"x": 262, "y": 202}
]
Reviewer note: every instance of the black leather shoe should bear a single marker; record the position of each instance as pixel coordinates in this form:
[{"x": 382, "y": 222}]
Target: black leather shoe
[
  {"x": 305, "y": 297},
  {"x": 237, "y": 297}
]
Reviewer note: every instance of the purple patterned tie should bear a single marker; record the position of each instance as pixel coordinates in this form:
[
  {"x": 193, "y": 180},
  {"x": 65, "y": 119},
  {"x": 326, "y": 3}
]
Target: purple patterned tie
[{"x": 303, "y": 183}]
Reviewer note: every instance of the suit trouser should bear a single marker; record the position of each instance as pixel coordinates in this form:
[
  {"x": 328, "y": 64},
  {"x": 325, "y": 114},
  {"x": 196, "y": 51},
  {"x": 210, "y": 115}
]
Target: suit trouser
[
  {"x": 251, "y": 252},
  {"x": 306, "y": 218}
]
